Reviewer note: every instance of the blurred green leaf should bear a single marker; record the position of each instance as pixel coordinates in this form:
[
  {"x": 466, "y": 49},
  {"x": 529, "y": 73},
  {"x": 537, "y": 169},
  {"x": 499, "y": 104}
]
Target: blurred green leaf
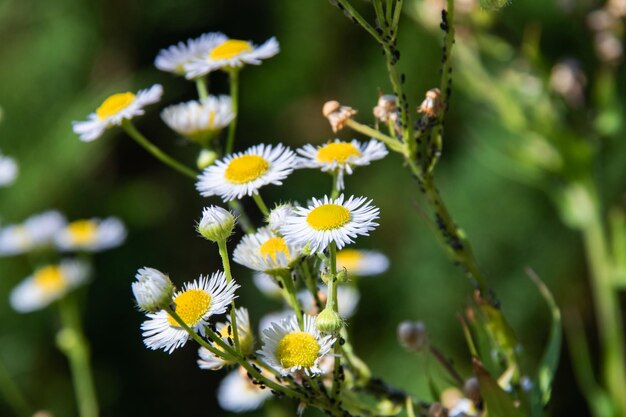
[
  {"x": 498, "y": 402},
  {"x": 494, "y": 5}
]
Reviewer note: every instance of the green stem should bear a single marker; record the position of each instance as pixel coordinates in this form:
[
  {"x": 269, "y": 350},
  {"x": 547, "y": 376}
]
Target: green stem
[
  {"x": 345, "y": 5},
  {"x": 311, "y": 283},
  {"x": 234, "y": 96},
  {"x": 223, "y": 249},
  {"x": 334, "y": 193},
  {"x": 409, "y": 407},
  {"x": 259, "y": 202},
  {"x": 74, "y": 345},
  {"x": 391, "y": 143},
  {"x": 290, "y": 289},
  {"x": 230, "y": 353},
  {"x": 128, "y": 126},
  {"x": 13, "y": 395},
  {"x": 201, "y": 86},
  {"x": 606, "y": 302},
  {"x": 242, "y": 218},
  {"x": 332, "y": 303}
]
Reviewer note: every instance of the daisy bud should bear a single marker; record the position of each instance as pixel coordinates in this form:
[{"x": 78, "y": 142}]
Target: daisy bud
[
  {"x": 412, "y": 335},
  {"x": 153, "y": 290},
  {"x": 328, "y": 321},
  {"x": 342, "y": 276},
  {"x": 216, "y": 224},
  {"x": 206, "y": 158},
  {"x": 278, "y": 217},
  {"x": 387, "y": 108}
]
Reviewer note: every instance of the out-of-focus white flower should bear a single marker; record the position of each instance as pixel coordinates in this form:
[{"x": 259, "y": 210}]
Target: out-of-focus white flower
[
  {"x": 36, "y": 232},
  {"x": 200, "y": 121},
  {"x": 8, "y": 170},
  {"x": 48, "y": 284},
  {"x": 114, "y": 110},
  {"x": 246, "y": 341},
  {"x": 91, "y": 235},
  {"x": 231, "y": 54},
  {"x": 347, "y": 300},
  {"x": 238, "y": 394},
  {"x": 174, "y": 58},
  {"x": 362, "y": 262}
]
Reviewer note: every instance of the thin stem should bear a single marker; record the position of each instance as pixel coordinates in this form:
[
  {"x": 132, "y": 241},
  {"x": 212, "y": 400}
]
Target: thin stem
[
  {"x": 361, "y": 368},
  {"x": 234, "y": 96},
  {"x": 223, "y": 249},
  {"x": 332, "y": 303},
  {"x": 229, "y": 352},
  {"x": 201, "y": 86},
  {"x": 409, "y": 407},
  {"x": 334, "y": 193},
  {"x": 128, "y": 126},
  {"x": 606, "y": 302},
  {"x": 259, "y": 202},
  {"x": 446, "y": 365},
  {"x": 13, "y": 395},
  {"x": 391, "y": 143},
  {"x": 311, "y": 283},
  {"x": 290, "y": 289},
  {"x": 72, "y": 342},
  {"x": 242, "y": 218},
  {"x": 347, "y": 7}
]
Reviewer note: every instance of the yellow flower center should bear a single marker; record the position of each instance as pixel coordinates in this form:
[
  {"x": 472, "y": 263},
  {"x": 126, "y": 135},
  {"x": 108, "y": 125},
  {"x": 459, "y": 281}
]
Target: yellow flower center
[
  {"x": 82, "y": 232},
  {"x": 50, "y": 279},
  {"x": 349, "y": 259},
  {"x": 298, "y": 349},
  {"x": 337, "y": 152},
  {"x": 191, "y": 305},
  {"x": 246, "y": 168},
  {"x": 273, "y": 246},
  {"x": 211, "y": 120},
  {"x": 328, "y": 217},
  {"x": 229, "y": 49},
  {"x": 114, "y": 104}
]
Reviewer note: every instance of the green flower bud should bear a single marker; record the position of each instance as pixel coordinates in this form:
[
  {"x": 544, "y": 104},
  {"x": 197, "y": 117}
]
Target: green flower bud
[
  {"x": 328, "y": 321},
  {"x": 206, "y": 158},
  {"x": 216, "y": 224}
]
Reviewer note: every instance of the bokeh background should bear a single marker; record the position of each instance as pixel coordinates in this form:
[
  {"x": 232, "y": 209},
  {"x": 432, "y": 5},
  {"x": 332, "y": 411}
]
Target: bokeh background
[{"x": 59, "y": 59}]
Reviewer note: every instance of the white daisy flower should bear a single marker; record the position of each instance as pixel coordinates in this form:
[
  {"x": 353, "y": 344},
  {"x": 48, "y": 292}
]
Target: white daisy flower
[
  {"x": 36, "y": 232},
  {"x": 361, "y": 262},
  {"x": 195, "y": 303},
  {"x": 231, "y": 53},
  {"x": 266, "y": 284},
  {"x": 347, "y": 300},
  {"x": 265, "y": 251},
  {"x": 289, "y": 349},
  {"x": 329, "y": 220},
  {"x": 48, "y": 284},
  {"x": 244, "y": 173},
  {"x": 267, "y": 320},
  {"x": 91, "y": 235},
  {"x": 238, "y": 394},
  {"x": 246, "y": 341},
  {"x": 114, "y": 110},
  {"x": 278, "y": 216},
  {"x": 200, "y": 121},
  {"x": 341, "y": 157},
  {"x": 174, "y": 58},
  {"x": 8, "y": 170},
  {"x": 153, "y": 290}
]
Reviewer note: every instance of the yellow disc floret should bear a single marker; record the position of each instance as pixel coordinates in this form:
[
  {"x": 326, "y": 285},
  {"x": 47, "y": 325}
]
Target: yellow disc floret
[
  {"x": 114, "y": 104},
  {"x": 230, "y": 49},
  {"x": 50, "y": 279},
  {"x": 82, "y": 232},
  {"x": 273, "y": 246},
  {"x": 191, "y": 306},
  {"x": 337, "y": 152},
  {"x": 246, "y": 168},
  {"x": 298, "y": 349},
  {"x": 349, "y": 259},
  {"x": 328, "y": 217}
]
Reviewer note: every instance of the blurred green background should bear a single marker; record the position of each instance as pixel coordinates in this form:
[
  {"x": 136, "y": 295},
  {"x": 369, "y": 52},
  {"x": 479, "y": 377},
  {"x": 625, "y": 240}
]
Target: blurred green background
[{"x": 59, "y": 59}]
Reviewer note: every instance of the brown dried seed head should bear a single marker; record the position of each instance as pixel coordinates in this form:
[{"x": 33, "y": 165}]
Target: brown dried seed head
[
  {"x": 330, "y": 107},
  {"x": 437, "y": 410}
]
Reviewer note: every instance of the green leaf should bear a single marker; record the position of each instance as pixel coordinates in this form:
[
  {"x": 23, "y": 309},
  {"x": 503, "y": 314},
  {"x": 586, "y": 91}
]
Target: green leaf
[
  {"x": 498, "y": 402},
  {"x": 494, "y": 5},
  {"x": 550, "y": 359}
]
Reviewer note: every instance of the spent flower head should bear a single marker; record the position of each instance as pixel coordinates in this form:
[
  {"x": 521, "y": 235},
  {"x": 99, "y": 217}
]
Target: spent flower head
[
  {"x": 153, "y": 290},
  {"x": 114, "y": 110},
  {"x": 217, "y": 224}
]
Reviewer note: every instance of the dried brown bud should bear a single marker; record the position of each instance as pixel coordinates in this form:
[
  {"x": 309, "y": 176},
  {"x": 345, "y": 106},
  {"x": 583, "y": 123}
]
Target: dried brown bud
[
  {"x": 337, "y": 114},
  {"x": 608, "y": 47},
  {"x": 387, "y": 108},
  {"x": 437, "y": 410},
  {"x": 43, "y": 413},
  {"x": 471, "y": 389},
  {"x": 432, "y": 105},
  {"x": 412, "y": 335}
]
